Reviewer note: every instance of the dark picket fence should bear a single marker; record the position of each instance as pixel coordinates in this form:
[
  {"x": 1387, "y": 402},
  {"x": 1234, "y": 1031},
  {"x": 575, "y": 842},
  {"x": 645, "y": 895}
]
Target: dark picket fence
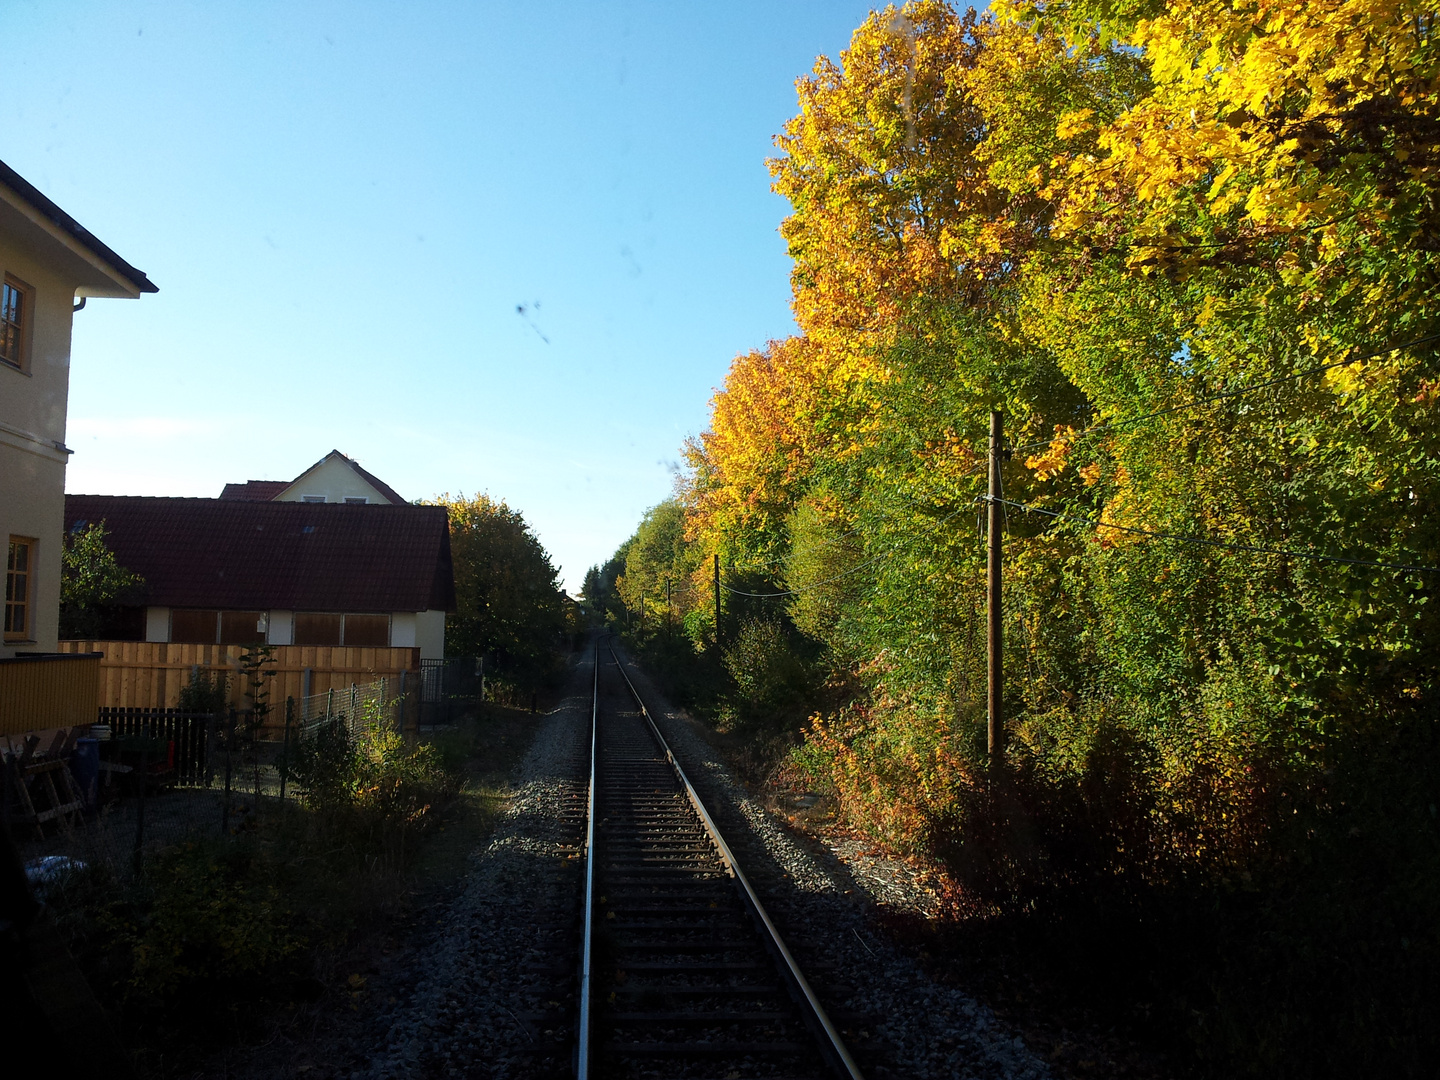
[{"x": 192, "y": 734}]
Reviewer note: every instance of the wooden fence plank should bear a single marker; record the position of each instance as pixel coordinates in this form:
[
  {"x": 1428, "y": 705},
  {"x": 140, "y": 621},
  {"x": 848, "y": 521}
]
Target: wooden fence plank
[{"x": 149, "y": 675}]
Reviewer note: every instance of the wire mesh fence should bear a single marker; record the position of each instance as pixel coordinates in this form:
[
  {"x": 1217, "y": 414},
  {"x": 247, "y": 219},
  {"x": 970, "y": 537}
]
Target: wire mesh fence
[{"x": 148, "y": 779}]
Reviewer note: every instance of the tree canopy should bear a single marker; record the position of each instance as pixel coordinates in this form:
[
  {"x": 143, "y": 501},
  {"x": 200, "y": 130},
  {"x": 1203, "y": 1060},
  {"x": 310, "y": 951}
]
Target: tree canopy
[{"x": 510, "y": 605}]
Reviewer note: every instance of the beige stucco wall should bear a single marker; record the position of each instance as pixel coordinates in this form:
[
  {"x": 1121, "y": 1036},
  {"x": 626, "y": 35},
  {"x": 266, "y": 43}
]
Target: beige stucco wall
[
  {"x": 336, "y": 481},
  {"x": 32, "y": 438},
  {"x": 430, "y": 634}
]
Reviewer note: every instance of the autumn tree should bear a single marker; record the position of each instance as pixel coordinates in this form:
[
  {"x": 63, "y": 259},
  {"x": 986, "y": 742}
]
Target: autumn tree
[{"x": 506, "y": 588}]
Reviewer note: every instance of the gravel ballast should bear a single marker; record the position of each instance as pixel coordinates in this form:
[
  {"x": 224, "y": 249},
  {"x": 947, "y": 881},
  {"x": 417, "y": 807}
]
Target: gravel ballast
[
  {"x": 822, "y": 901},
  {"x": 491, "y": 997},
  {"x": 491, "y": 992}
]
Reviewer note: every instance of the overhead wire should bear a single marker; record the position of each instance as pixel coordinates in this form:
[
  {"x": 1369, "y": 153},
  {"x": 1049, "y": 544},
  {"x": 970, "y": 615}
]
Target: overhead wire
[
  {"x": 1206, "y": 541},
  {"x": 1109, "y": 425},
  {"x": 834, "y": 540},
  {"x": 1242, "y": 391}
]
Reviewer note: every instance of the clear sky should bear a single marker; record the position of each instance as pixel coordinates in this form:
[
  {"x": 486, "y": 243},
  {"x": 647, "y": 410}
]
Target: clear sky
[{"x": 343, "y": 204}]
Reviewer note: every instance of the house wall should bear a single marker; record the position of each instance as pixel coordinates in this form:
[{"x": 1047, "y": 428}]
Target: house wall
[
  {"x": 335, "y": 480},
  {"x": 402, "y": 629},
  {"x": 430, "y": 634},
  {"x": 32, "y": 437},
  {"x": 282, "y": 628},
  {"x": 408, "y": 629},
  {"x": 157, "y": 624}
]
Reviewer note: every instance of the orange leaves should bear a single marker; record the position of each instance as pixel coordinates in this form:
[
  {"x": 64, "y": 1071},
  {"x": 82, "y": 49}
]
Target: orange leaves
[
  {"x": 879, "y": 167},
  {"x": 750, "y": 463},
  {"x": 1052, "y": 461}
]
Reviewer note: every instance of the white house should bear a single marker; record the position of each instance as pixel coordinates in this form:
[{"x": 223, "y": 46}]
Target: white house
[{"x": 335, "y": 478}]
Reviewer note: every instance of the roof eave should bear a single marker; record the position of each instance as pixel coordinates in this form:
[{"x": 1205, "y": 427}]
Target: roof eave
[{"x": 128, "y": 282}]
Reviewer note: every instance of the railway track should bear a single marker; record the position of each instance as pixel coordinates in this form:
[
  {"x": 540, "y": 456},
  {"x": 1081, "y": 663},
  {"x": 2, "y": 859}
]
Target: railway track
[{"x": 683, "y": 973}]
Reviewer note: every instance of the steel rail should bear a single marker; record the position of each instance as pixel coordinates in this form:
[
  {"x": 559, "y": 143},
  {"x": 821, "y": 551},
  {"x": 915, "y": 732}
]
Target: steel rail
[
  {"x": 582, "y": 1059},
  {"x": 832, "y": 1044}
]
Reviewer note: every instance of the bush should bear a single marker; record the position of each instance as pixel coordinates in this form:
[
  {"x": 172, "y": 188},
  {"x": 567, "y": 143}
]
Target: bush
[
  {"x": 374, "y": 777},
  {"x": 207, "y": 913}
]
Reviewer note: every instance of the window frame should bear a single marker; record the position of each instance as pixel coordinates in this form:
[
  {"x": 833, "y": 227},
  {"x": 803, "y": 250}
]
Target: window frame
[
  {"x": 27, "y": 605},
  {"x": 26, "y": 324}
]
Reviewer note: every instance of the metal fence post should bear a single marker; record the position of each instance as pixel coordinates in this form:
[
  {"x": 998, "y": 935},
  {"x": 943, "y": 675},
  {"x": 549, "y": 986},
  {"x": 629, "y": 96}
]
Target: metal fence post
[
  {"x": 229, "y": 741},
  {"x": 140, "y": 808},
  {"x": 401, "y": 718},
  {"x": 210, "y": 750},
  {"x": 285, "y": 746}
]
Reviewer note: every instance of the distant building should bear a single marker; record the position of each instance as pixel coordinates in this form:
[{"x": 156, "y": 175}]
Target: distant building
[
  {"x": 47, "y": 260},
  {"x": 237, "y": 570},
  {"x": 335, "y": 478}
]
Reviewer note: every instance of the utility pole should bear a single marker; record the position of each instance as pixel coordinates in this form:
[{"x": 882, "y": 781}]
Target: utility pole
[
  {"x": 667, "y": 607},
  {"x": 994, "y": 638},
  {"x": 717, "y": 599}
]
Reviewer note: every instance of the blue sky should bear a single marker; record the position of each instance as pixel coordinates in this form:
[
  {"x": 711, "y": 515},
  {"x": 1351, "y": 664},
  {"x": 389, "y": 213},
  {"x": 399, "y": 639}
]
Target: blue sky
[{"x": 343, "y": 205}]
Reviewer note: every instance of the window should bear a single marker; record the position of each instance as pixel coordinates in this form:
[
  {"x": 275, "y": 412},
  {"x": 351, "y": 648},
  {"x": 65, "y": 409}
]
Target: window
[
  {"x": 355, "y": 500},
  {"x": 16, "y": 300},
  {"x": 317, "y": 628},
  {"x": 312, "y": 498},
  {"x": 241, "y": 628},
  {"x": 189, "y": 627},
  {"x": 331, "y": 628},
  {"x": 367, "y": 631},
  {"x": 19, "y": 587}
]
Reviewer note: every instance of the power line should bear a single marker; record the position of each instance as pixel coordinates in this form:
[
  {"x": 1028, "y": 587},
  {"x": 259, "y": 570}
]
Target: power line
[
  {"x": 843, "y": 536},
  {"x": 1231, "y": 547},
  {"x": 1240, "y": 392},
  {"x": 844, "y": 573}
]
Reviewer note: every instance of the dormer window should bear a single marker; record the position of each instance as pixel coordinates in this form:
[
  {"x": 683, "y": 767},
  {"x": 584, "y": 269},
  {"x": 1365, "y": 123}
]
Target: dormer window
[{"x": 16, "y": 300}]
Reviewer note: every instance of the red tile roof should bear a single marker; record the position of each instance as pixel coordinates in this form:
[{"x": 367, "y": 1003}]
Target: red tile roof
[
  {"x": 255, "y": 490},
  {"x": 251, "y": 556}
]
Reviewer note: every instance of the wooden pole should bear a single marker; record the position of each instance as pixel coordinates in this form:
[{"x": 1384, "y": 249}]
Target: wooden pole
[{"x": 994, "y": 625}]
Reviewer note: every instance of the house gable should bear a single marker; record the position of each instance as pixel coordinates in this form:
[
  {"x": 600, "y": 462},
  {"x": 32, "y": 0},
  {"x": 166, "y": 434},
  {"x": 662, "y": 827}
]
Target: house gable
[{"x": 336, "y": 478}]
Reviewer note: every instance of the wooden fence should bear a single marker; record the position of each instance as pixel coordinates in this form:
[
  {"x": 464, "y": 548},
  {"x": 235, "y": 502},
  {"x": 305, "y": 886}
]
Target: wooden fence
[
  {"x": 42, "y": 692},
  {"x": 149, "y": 675}
]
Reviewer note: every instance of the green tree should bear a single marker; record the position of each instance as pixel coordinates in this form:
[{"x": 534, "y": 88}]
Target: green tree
[
  {"x": 91, "y": 581},
  {"x": 507, "y": 590}
]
